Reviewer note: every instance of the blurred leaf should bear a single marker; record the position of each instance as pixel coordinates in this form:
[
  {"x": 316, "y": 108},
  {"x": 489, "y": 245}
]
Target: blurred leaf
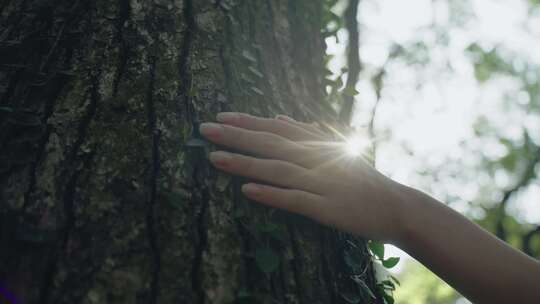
[
  {"x": 388, "y": 299},
  {"x": 395, "y": 280},
  {"x": 389, "y": 285},
  {"x": 390, "y": 262},
  {"x": 377, "y": 248},
  {"x": 350, "y": 91}
]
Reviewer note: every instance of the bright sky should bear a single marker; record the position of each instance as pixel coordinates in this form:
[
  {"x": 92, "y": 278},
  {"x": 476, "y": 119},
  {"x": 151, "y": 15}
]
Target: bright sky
[{"x": 433, "y": 122}]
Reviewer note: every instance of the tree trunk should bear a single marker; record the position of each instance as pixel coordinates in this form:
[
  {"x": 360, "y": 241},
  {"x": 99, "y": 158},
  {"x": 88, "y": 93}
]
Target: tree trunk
[{"x": 106, "y": 195}]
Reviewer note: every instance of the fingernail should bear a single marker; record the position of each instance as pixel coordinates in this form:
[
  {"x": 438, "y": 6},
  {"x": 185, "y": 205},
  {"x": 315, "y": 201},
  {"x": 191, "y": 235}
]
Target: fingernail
[
  {"x": 220, "y": 158},
  {"x": 286, "y": 118},
  {"x": 251, "y": 189},
  {"x": 229, "y": 117},
  {"x": 211, "y": 130}
]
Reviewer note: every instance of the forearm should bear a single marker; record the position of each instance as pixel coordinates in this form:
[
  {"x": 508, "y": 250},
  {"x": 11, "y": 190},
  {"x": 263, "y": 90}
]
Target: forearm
[{"x": 477, "y": 264}]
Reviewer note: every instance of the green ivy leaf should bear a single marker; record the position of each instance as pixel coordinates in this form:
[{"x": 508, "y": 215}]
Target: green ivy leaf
[
  {"x": 395, "y": 280},
  {"x": 388, "y": 299},
  {"x": 350, "y": 91},
  {"x": 390, "y": 262},
  {"x": 377, "y": 248},
  {"x": 267, "y": 260},
  {"x": 388, "y": 285}
]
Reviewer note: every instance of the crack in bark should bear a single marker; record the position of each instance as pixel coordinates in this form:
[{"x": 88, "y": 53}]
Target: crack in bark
[
  {"x": 49, "y": 109},
  {"x": 185, "y": 79},
  {"x": 325, "y": 266},
  {"x": 57, "y": 86},
  {"x": 200, "y": 245},
  {"x": 50, "y": 92},
  {"x": 124, "y": 13},
  {"x": 6, "y": 34},
  {"x": 71, "y": 176},
  {"x": 201, "y": 193},
  {"x": 200, "y": 203},
  {"x": 296, "y": 267},
  {"x": 150, "y": 214}
]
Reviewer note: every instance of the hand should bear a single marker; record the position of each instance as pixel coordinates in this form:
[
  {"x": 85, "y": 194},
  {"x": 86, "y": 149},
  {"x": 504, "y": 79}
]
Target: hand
[{"x": 305, "y": 173}]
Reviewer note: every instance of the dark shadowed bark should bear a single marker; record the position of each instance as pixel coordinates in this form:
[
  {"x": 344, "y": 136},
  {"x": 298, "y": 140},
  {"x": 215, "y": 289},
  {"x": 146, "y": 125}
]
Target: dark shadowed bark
[{"x": 105, "y": 192}]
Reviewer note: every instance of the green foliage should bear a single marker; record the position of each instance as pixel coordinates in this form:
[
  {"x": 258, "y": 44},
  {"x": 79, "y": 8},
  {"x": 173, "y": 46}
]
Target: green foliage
[
  {"x": 350, "y": 91},
  {"x": 377, "y": 248},
  {"x": 332, "y": 22},
  {"x": 414, "y": 53},
  {"x": 420, "y": 286},
  {"x": 487, "y": 63},
  {"x": 390, "y": 262}
]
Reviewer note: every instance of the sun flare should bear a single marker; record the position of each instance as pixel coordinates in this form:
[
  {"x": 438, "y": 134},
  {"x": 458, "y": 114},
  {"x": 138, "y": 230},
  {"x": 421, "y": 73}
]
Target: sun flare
[{"x": 355, "y": 146}]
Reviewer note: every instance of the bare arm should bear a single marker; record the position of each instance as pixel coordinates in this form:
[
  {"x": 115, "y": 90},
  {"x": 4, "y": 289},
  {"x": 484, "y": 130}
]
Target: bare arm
[
  {"x": 300, "y": 171},
  {"x": 473, "y": 261}
]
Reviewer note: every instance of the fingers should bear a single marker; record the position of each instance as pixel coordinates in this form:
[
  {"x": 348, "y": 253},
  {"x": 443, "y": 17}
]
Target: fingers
[
  {"x": 280, "y": 127},
  {"x": 261, "y": 143},
  {"x": 312, "y": 128},
  {"x": 297, "y": 201},
  {"x": 276, "y": 172}
]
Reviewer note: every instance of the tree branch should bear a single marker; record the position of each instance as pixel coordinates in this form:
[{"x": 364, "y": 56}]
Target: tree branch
[{"x": 353, "y": 60}]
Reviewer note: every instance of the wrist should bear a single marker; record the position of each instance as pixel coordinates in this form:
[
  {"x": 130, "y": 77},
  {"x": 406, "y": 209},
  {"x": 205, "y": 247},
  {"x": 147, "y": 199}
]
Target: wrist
[{"x": 406, "y": 203}]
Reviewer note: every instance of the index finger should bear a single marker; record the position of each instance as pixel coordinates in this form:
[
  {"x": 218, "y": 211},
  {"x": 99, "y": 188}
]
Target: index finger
[
  {"x": 277, "y": 126},
  {"x": 260, "y": 143}
]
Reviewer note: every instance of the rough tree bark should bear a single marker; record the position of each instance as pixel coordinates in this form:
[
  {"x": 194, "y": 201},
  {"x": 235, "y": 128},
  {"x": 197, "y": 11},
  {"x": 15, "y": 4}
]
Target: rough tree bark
[{"x": 106, "y": 196}]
